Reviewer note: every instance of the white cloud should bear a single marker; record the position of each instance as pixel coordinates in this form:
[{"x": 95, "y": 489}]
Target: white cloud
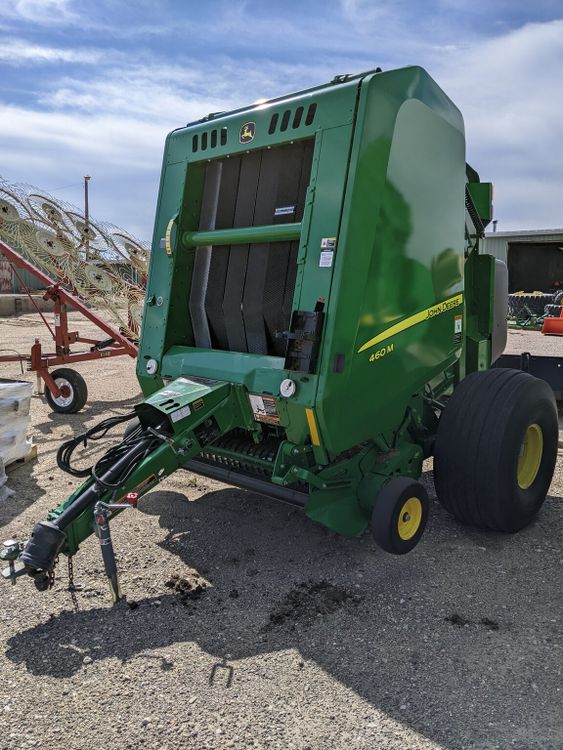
[
  {"x": 111, "y": 120},
  {"x": 174, "y": 94},
  {"x": 509, "y": 91},
  {"x": 41, "y": 12},
  {"x": 21, "y": 52},
  {"x": 50, "y": 149},
  {"x": 368, "y": 11},
  {"x": 122, "y": 141}
]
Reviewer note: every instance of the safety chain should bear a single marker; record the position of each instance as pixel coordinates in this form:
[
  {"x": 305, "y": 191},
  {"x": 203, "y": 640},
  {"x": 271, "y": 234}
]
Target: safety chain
[
  {"x": 71, "y": 586},
  {"x": 51, "y": 574},
  {"x": 70, "y": 573}
]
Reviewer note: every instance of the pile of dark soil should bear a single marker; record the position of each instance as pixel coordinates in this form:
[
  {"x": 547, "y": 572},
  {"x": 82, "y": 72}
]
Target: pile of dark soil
[
  {"x": 308, "y": 601},
  {"x": 186, "y": 589}
]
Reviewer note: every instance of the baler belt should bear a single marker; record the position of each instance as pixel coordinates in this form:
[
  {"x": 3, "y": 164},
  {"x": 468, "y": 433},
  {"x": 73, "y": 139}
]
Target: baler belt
[
  {"x": 280, "y": 282},
  {"x": 291, "y": 273},
  {"x": 250, "y": 288},
  {"x": 202, "y": 261},
  {"x": 220, "y": 260},
  {"x": 257, "y": 269},
  {"x": 238, "y": 258}
]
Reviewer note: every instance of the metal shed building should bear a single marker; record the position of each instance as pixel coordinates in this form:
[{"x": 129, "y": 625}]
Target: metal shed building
[
  {"x": 10, "y": 283},
  {"x": 534, "y": 257}
]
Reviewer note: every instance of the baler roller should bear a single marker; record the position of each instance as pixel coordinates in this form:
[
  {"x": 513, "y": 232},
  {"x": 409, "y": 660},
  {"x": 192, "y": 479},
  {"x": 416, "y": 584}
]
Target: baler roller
[{"x": 243, "y": 235}]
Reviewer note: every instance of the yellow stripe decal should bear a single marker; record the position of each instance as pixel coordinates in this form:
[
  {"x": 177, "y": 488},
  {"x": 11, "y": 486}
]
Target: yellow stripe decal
[
  {"x": 412, "y": 320},
  {"x": 312, "y": 426}
]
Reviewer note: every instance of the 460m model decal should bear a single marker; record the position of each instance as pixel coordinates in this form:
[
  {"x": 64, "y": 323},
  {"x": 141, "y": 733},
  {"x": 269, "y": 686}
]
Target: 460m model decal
[{"x": 419, "y": 317}]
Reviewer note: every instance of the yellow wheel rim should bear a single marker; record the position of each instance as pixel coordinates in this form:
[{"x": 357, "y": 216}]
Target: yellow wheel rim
[
  {"x": 530, "y": 456},
  {"x": 410, "y": 517}
]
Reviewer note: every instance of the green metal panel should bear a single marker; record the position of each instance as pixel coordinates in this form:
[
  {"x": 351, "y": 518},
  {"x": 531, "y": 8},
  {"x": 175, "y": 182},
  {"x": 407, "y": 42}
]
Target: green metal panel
[
  {"x": 399, "y": 253},
  {"x": 482, "y": 197},
  {"x": 386, "y": 192},
  {"x": 183, "y": 173},
  {"x": 392, "y": 304}
]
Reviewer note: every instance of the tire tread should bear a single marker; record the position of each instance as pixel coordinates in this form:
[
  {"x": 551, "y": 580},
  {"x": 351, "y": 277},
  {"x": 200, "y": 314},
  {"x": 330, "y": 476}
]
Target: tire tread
[{"x": 470, "y": 446}]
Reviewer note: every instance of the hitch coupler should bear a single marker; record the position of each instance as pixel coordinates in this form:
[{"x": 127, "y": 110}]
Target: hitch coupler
[{"x": 48, "y": 537}]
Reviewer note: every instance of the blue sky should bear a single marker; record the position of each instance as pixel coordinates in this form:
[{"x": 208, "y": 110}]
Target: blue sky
[{"x": 94, "y": 86}]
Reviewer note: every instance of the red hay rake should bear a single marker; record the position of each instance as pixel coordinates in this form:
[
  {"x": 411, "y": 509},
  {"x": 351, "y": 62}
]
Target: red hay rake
[{"x": 66, "y": 390}]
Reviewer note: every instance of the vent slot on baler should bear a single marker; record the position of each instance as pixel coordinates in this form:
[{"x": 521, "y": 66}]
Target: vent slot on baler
[{"x": 241, "y": 296}]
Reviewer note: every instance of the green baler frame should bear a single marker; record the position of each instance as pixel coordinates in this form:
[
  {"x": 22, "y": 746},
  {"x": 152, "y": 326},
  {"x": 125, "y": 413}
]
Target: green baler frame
[
  {"x": 391, "y": 307},
  {"x": 364, "y": 397}
]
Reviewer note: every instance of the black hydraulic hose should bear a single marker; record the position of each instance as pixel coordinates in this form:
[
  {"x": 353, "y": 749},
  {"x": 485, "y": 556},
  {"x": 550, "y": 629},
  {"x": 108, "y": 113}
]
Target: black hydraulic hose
[
  {"x": 48, "y": 537},
  {"x": 112, "y": 475},
  {"x": 97, "y": 432}
]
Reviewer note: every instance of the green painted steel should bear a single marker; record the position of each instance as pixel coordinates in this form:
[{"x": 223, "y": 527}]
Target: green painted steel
[
  {"x": 187, "y": 406},
  {"x": 387, "y": 182},
  {"x": 269, "y": 233},
  {"x": 385, "y": 257}
]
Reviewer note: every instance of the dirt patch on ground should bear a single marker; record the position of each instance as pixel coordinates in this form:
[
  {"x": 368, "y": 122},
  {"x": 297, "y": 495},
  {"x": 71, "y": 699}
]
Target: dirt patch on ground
[
  {"x": 187, "y": 588},
  {"x": 308, "y": 601},
  {"x": 459, "y": 621}
]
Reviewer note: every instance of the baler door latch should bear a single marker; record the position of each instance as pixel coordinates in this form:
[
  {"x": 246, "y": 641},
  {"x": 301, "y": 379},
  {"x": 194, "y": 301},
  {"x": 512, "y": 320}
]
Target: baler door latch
[{"x": 303, "y": 341}]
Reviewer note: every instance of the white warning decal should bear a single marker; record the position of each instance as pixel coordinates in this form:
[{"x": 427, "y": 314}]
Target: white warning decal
[
  {"x": 185, "y": 411},
  {"x": 328, "y": 245},
  {"x": 264, "y": 408},
  {"x": 458, "y": 326}
]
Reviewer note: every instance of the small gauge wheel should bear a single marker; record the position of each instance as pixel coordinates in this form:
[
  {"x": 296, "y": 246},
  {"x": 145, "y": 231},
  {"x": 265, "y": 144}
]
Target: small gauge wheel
[
  {"x": 399, "y": 515},
  {"x": 74, "y": 391}
]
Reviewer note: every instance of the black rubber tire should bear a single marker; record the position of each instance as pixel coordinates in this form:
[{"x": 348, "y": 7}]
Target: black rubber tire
[
  {"x": 78, "y": 391},
  {"x": 386, "y": 511},
  {"x": 523, "y": 305},
  {"x": 552, "y": 311},
  {"x": 558, "y": 297},
  {"x": 478, "y": 444}
]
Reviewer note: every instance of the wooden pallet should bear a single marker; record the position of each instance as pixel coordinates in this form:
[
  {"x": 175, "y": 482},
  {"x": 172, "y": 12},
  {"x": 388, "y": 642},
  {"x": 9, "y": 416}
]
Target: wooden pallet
[{"x": 31, "y": 456}]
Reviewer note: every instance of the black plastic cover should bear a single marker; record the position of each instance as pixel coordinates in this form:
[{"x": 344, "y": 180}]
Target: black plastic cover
[{"x": 303, "y": 341}]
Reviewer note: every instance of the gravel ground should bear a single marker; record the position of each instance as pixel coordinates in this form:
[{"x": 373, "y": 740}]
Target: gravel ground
[
  {"x": 299, "y": 638},
  {"x": 522, "y": 340}
]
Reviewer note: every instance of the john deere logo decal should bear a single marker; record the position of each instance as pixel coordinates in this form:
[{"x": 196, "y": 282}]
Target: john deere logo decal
[{"x": 247, "y": 132}]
